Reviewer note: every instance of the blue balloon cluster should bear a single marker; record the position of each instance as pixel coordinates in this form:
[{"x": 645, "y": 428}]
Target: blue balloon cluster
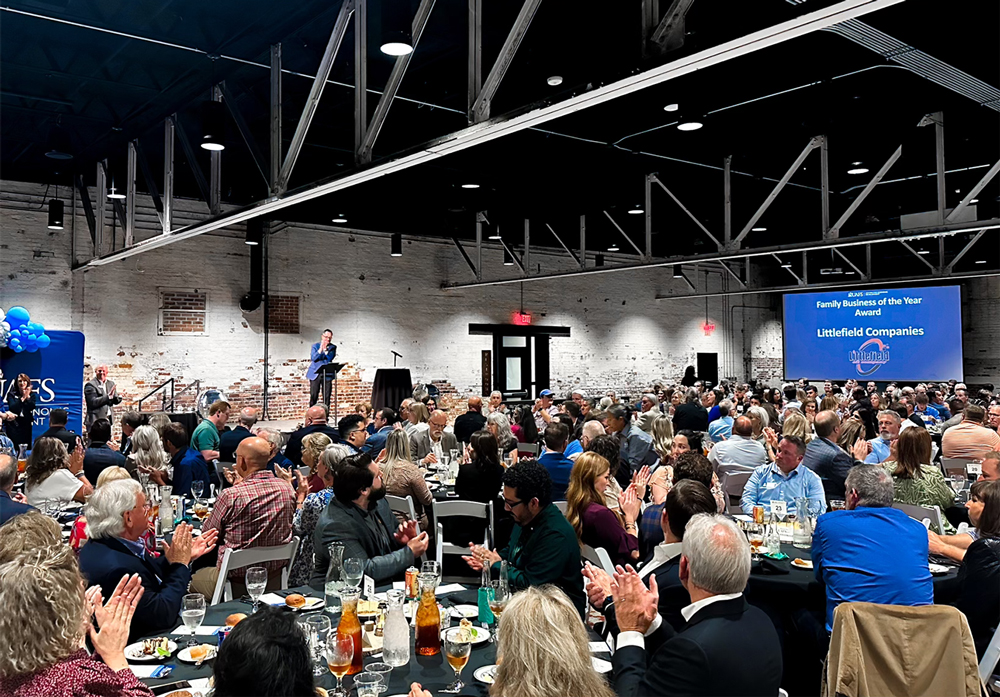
[{"x": 21, "y": 333}]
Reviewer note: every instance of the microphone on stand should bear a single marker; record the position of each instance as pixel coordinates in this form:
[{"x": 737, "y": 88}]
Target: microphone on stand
[{"x": 394, "y": 357}]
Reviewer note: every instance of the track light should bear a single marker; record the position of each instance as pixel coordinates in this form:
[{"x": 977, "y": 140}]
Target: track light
[
  {"x": 508, "y": 259},
  {"x": 678, "y": 272},
  {"x": 213, "y": 125},
  {"x": 55, "y": 214},
  {"x": 396, "y": 244},
  {"x": 255, "y": 232},
  {"x": 599, "y": 260},
  {"x": 397, "y": 31}
]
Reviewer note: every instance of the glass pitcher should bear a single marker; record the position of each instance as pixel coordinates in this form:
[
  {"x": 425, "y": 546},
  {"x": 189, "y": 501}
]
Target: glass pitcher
[
  {"x": 22, "y": 458},
  {"x": 396, "y": 632},
  {"x": 166, "y": 509},
  {"x": 801, "y": 527},
  {"x": 428, "y": 642},
  {"x": 350, "y": 626},
  {"x": 335, "y": 577}
]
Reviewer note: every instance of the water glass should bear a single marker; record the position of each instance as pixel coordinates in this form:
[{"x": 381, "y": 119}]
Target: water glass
[
  {"x": 353, "y": 572},
  {"x": 339, "y": 654},
  {"x": 837, "y": 505},
  {"x": 316, "y": 628},
  {"x": 256, "y": 580},
  {"x": 457, "y": 649},
  {"x": 197, "y": 488},
  {"x": 368, "y": 684},
  {"x": 432, "y": 567},
  {"x": 382, "y": 670},
  {"x": 192, "y": 614}
]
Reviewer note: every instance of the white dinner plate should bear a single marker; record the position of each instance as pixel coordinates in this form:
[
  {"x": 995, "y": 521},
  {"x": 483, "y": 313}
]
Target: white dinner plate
[
  {"x": 938, "y": 569},
  {"x": 467, "y": 611},
  {"x": 433, "y": 486},
  {"x": 185, "y": 654},
  {"x": 486, "y": 674},
  {"x": 133, "y": 652},
  {"x": 480, "y": 635},
  {"x": 310, "y": 604}
]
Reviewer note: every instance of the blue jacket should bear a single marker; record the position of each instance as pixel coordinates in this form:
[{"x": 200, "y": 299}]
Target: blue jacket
[
  {"x": 189, "y": 465},
  {"x": 97, "y": 458},
  {"x": 104, "y": 561},
  {"x": 831, "y": 463},
  {"x": 376, "y": 442},
  {"x": 10, "y": 508},
  {"x": 320, "y": 359},
  {"x": 559, "y": 467},
  {"x": 230, "y": 440}
]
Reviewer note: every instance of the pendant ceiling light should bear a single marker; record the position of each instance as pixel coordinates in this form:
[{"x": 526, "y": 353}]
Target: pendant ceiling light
[
  {"x": 397, "y": 28},
  {"x": 213, "y": 125},
  {"x": 55, "y": 214}
]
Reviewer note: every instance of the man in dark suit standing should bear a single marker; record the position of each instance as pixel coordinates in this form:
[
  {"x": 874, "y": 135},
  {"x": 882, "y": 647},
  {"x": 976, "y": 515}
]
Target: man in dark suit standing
[
  {"x": 98, "y": 456},
  {"x": 471, "y": 421},
  {"x": 826, "y": 458},
  {"x": 101, "y": 395},
  {"x": 116, "y": 518},
  {"x": 9, "y": 505},
  {"x": 727, "y": 647},
  {"x": 690, "y": 415}
]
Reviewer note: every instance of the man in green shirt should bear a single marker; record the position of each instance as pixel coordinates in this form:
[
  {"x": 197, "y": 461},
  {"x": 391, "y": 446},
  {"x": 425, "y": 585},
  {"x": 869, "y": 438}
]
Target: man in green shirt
[
  {"x": 205, "y": 438},
  {"x": 543, "y": 547}
]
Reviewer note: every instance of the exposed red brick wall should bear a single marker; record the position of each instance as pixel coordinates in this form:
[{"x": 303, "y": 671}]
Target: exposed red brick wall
[
  {"x": 182, "y": 311},
  {"x": 283, "y": 317}
]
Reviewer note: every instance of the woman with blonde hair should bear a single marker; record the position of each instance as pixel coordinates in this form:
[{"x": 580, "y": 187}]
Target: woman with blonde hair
[
  {"x": 829, "y": 403},
  {"x": 147, "y": 453},
  {"x": 313, "y": 446},
  {"x": 796, "y": 424},
  {"x": 543, "y": 650},
  {"x": 850, "y": 431},
  {"x": 596, "y": 524},
  {"x": 402, "y": 477},
  {"x": 662, "y": 431},
  {"x": 419, "y": 415},
  {"x": 53, "y": 477},
  {"x": 46, "y": 608}
]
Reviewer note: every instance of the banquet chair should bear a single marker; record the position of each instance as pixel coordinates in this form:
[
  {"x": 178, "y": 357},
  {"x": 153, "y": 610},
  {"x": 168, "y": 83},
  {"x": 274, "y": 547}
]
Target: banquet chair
[
  {"x": 240, "y": 558},
  {"x": 528, "y": 448},
  {"x": 955, "y": 465},
  {"x": 990, "y": 657},
  {"x": 404, "y": 505},
  {"x": 922, "y": 513},
  {"x": 599, "y": 557},
  {"x": 563, "y": 506},
  {"x": 466, "y": 509},
  {"x": 733, "y": 483}
]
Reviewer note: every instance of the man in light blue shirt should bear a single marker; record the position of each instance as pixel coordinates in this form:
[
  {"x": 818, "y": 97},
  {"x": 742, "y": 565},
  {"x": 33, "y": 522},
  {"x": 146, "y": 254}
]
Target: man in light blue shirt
[
  {"x": 784, "y": 480},
  {"x": 741, "y": 449},
  {"x": 888, "y": 431},
  {"x": 722, "y": 428}
]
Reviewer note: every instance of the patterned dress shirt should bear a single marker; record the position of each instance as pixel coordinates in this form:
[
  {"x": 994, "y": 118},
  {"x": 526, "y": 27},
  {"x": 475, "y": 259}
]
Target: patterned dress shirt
[
  {"x": 304, "y": 525},
  {"x": 77, "y": 675}
]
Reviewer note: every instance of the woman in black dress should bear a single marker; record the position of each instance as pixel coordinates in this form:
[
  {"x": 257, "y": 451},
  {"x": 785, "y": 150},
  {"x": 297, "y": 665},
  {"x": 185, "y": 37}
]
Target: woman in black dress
[{"x": 21, "y": 403}]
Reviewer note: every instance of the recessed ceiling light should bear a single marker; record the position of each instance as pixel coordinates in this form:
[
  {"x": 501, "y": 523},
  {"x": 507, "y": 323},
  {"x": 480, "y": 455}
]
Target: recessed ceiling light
[
  {"x": 923, "y": 251},
  {"x": 758, "y": 229},
  {"x": 671, "y": 107},
  {"x": 858, "y": 170},
  {"x": 613, "y": 247},
  {"x": 636, "y": 211},
  {"x": 340, "y": 219},
  {"x": 470, "y": 186},
  {"x": 980, "y": 261},
  {"x": 975, "y": 200},
  {"x": 554, "y": 80},
  {"x": 396, "y": 48},
  {"x": 689, "y": 126}
]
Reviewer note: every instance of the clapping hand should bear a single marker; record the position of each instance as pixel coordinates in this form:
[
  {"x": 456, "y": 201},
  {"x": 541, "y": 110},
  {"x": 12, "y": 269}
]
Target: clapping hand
[
  {"x": 302, "y": 490},
  {"x": 204, "y": 543},
  {"x": 630, "y": 504},
  {"x": 114, "y": 621},
  {"x": 406, "y": 531},
  {"x": 180, "y": 548},
  {"x": 640, "y": 480},
  {"x": 861, "y": 448},
  {"x": 599, "y": 587},
  {"x": 635, "y": 607},
  {"x": 771, "y": 436},
  {"x": 233, "y": 477},
  {"x": 127, "y": 586},
  {"x": 76, "y": 457},
  {"x": 285, "y": 474},
  {"x": 480, "y": 557}
]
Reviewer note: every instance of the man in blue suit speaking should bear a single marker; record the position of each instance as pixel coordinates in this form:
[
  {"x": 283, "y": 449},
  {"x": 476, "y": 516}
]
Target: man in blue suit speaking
[
  {"x": 321, "y": 354},
  {"x": 117, "y": 519}
]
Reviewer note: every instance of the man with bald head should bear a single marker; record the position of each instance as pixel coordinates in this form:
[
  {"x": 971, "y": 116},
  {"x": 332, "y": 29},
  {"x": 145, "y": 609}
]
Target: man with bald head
[
  {"x": 256, "y": 511},
  {"x": 471, "y": 421},
  {"x": 101, "y": 395},
  {"x": 229, "y": 440},
  {"x": 740, "y": 449},
  {"x": 431, "y": 444},
  {"x": 315, "y": 422}
]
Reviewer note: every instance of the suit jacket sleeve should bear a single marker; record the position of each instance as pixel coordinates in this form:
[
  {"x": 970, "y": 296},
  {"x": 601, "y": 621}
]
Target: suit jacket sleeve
[
  {"x": 841, "y": 464},
  {"x": 420, "y": 445},
  {"x": 678, "y": 667},
  {"x": 161, "y": 609}
]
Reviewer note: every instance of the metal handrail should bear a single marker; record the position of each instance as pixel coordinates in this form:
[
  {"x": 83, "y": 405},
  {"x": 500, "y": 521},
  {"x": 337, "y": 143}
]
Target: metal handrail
[
  {"x": 197, "y": 389},
  {"x": 163, "y": 398}
]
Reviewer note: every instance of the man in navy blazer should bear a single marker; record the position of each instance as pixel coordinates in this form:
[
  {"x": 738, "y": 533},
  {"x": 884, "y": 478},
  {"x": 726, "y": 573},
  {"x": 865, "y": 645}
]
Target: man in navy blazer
[
  {"x": 9, "y": 507},
  {"x": 383, "y": 422},
  {"x": 726, "y": 646},
  {"x": 116, "y": 519},
  {"x": 98, "y": 456},
  {"x": 826, "y": 458}
]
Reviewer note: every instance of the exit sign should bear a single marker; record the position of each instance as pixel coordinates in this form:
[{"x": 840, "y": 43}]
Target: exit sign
[
  {"x": 522, "y": 319},
  {"x": 708, "y": 327}
]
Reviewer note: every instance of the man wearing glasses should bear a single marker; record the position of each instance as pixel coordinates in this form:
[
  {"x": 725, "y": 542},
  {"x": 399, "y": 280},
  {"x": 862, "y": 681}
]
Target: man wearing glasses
[{"x": 543, "y": 547}]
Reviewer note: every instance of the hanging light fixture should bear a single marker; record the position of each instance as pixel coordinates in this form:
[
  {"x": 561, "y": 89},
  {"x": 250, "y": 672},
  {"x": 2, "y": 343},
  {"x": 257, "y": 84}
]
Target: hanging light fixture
[
  {"x": 112, "y": 193},
  {"x": 59, "y": 143},
  {"x": 613, "y": 247},
  {"x": 55, "y": 214},
  {"x": 397, "y": 27},
  {"x": 508, "y": 259},
  {"x": 396, "y": 245},
  {"x": 213, "y": 125},
  {"x": 678, "y": 272},
  {"x": 255, "y": 232}
]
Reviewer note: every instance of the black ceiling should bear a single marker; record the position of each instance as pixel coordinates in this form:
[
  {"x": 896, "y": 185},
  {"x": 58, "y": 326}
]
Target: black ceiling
[{"x": 761, "y": 109}]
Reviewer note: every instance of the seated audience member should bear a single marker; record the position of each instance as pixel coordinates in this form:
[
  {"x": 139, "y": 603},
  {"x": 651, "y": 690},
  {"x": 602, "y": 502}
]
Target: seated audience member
[
  {"x": 10, "y": 504},
  {"x": 496, "y": 403},
  {"x": 98, "y": 456},
  {"x": 256, "y": 511},
  {"x": 636, "y": 444},
  {"x": 429, "y": 445},
  {"x": 759, "y": 421},
  {"x": 852, "y": 430},
  {"x": 46, "y": 609},
  {"x": 315, "y": 422},
  {"x": 888, "y": 431},
  {"x": 607, "y": 447},
  {"x": 418, "y": 415},
  {"x": 266, "y": 655},
  {"x": 352, "y": 431},
  {"x": 498, "y": 424},
  {"x": 796, "y": 424},
  {"x": 690, "y": 415},
  {"x": 158, "y": 420},
  {"x": 686, "y": 499},
  {"x": 116, "y": 525},
  {"x": 58, "y": 418},
  {"x": 480, "y": 479},
  {"x": 784, "y": 480},
  {"x": 980, "y": 598},
  {"x": 471, "y": 421},
  {"x": 649, "y": 409},
  {"x": 130, "y": 421},
  {"x": 573, "y": 446},
  {"x": 726, "y": 646},
  {"x": 78, "y": 533},
  {"x": 871, "y": 552},
  {"x": 970, "y": 439},
  {"x": 915, "y": 481},
  {"x": 741, "y": 450},
  {"x": 384, "y": 423},
  {"x": 525, "y": 430},
  {"x": 543, "y": 649},
  {"x": 230, "y": 440},
  {"x": 553, "y": 459},
  {"x": 954, "y": 546},
  {"x": 403, "y": 478},
  {"x": 275, "y": 440},
  {"x": 574, "y": 412},
  {"x": 188, "y": 464},
  {"x": 543, "y": 547},
  {"x": 53, "y": 476},
  {"x": 596, "y": 524},
  {"x": 826, "y": 458},
  {"x": 722, "y": 428},
  {"x": 313, "y": 446},
  {"x": 308, "y": 508},
  {"x": 360, "y": 518},
  {"x": 27, "y": 532},
  {"x": 147, "y": 453}
]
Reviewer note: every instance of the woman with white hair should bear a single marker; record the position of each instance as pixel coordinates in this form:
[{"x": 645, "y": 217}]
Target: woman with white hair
[
  {"x": 498, "y": 424},
  {"x": 147, "y": 453},
  {"x": 496, "y": 403},
  {"x": 47, "y": 610},
  {"x": 309, "y": 506}
]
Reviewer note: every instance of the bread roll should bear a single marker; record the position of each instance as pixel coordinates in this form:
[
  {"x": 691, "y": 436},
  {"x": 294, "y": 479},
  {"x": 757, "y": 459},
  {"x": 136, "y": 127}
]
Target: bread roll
[
  {"x": 295, "y": 600},
  {"x": 235, "y": 618}
]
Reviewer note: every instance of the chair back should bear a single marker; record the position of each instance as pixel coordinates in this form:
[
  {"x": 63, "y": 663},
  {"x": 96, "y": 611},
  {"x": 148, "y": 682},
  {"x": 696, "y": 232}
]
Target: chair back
[
  {"x": 239, "y": 558},
  {"x": 528, "y": 448},
  {"x": 465, "y": 509},
  {"x": 990, "y": 658},
  {"x": 220, "y": 472},
  {"x": 955, "y": 465},
  {"x": 733, "y": 483},
  {"x": 599, "y": 557},
  {"x": 930, "y": 514},
  {"x": 404, "y": 505},
  {"x": 563, "y": 507}
]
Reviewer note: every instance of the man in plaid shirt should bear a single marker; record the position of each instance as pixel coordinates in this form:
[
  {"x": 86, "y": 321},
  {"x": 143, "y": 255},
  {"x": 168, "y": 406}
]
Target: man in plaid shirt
[{"x": 256, "y": 512}]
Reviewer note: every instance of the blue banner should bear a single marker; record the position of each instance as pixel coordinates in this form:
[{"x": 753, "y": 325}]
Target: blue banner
[{"x": 56, "y": 373}]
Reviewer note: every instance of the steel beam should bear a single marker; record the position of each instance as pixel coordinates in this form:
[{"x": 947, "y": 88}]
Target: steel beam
[
  {"x": 732, "y": 273},
  {"x": 189, "y": 154},
  {"x": 481, "y": 107},
  {"x": 480, "y": 219},
  {"x": 319, "y": 82},
  {"x": 861, "y": 274},
  {"x": 244, "y": 129},
  {"x": 687, "y": 281},
  {"x": 942, "y": 191},
  {"x": 275, "y": 145},
  {"x": 215, "y": 169},
  {"x": 364, "y": 154},
  {"x": 147, "y": 175},
  {"x": 527, "y": 246},
  {"x": 624, "y": 234},
  {"x": 88, "y": 208},
  {"x": 835, "y": 230},
  {"x": 583, "y": 240},
  {"x": 727, "y": 200},
  {"x": 920, "y": 257},
  {"x": 648, "y": 215},
  {"x": 689, "y": 213},
  {"x": 168, "y": 174},
  {"x": 798, "y": 280},
  {"x": 669, "y": 34},
  {"x": 974, "y": 192},
  {"x": 563, "y": 245},
  {"x": 824, "y": 176},
  {"x": 360, "y": 72},
  {"x": 465, "y": 255},
  {"x": 499, "y": 127},
  {"x": 513, "y": 256},
  {"x": 813, "y": 143},
  {"x": 475, "y": 78},
  {"x": 966, "y": 248},
  {"x": 102, "y": 191},
  {"x": 650, "y": 18},
  {"x": 129, "y": 221}
]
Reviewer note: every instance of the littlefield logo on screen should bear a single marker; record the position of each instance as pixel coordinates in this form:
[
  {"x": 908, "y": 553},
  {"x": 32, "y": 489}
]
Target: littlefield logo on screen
[{"x": 870, "y": 356}]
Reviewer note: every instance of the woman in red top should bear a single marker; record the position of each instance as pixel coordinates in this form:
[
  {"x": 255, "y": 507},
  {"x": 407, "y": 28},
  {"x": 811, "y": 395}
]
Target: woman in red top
[{"x": 46, "y": 609}]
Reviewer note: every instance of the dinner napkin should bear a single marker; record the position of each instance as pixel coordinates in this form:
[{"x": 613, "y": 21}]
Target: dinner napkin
[{"x": 774, "y": 566}]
